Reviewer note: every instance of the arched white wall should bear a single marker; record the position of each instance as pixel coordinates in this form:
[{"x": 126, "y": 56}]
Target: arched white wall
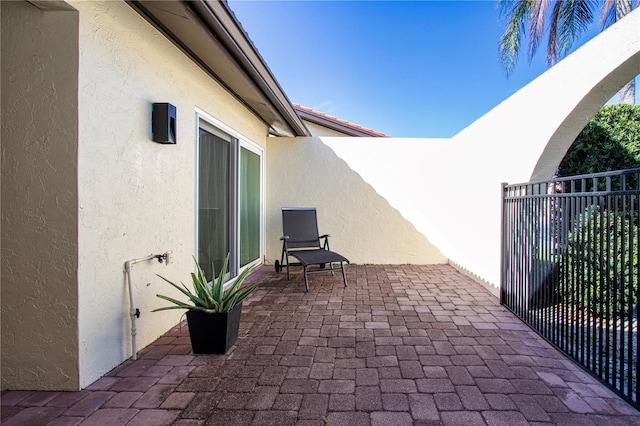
[
  {"x": 449, "y": 189},
  {"x": 525, "y": 138}
]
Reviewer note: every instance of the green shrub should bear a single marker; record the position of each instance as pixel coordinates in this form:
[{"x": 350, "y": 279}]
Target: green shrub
[
  {"x": 602, "y": 278},
  {"x": 610, "y": 141},
  {"x": 602, "y": 262}
]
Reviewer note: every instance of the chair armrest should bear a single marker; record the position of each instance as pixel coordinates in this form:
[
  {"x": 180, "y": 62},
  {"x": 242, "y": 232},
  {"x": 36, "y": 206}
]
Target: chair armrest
[
  {"x": 284, "y": 238},
  {"x": 326, "y": 241}
]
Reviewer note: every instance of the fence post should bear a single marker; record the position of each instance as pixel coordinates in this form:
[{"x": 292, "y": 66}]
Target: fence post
[{"x": 503, "y": 242}]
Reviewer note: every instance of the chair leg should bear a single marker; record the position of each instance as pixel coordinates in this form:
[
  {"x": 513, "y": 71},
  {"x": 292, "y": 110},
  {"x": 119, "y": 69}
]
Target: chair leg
[
  {"x": 306, "y": 280},
  {"x": 284, "y": 257},
  {"x": 288, "y": 274},
  {"x": 344, "y": 276}
]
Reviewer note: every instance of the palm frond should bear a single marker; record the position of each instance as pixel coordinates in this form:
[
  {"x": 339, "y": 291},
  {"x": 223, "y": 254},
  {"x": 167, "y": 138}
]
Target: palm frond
[
  {"x": 514, "y": 15},
  {"x": 614, "y": 10},
  {"x": 608, "y": 14},
  {"x": 574, "y": 18},
  {"x": 552, "y": 50},
  {"x": 564, "y": 20},
  {"x": 537, "y": 23}
]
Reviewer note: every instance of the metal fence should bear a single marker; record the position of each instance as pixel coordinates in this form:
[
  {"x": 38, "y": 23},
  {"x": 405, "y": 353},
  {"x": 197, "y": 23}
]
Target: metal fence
[{"x": 570, "y": 264}]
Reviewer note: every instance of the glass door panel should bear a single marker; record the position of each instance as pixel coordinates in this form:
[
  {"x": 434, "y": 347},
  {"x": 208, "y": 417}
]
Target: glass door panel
[
  {"x": 214, "y": 185},
  {"x": 249, "y": 206}
]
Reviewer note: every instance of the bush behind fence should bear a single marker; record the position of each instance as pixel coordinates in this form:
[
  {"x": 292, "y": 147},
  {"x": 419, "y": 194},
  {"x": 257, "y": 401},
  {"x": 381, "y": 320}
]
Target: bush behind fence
[{"x": 570, "y": 269}]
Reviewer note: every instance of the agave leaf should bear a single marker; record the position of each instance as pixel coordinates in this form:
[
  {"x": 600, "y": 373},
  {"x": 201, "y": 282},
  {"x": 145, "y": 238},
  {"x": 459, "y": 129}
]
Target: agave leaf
[
  {"x": 185, "y": 290},
  {"x": 210, "y": 296},
  {"x": 230, "y": 293},
  {"x": 194, "y": 298},
  {"x": 239, "y": 280},
  {"x": 219, "y": 285},
  {"x": 178, "y": 304},
  {"x": 244, "y": 293},
  {"x": 204, "y": 286},
  {"x": 231, "y": 290},
  {"x": 203, "y": 291},
  {"x": 201, "y": 274},
  {"x": 235, "y": 294}
]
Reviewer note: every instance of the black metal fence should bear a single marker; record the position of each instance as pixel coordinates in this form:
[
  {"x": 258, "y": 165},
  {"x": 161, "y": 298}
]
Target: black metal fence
[{"x": 570, "y": 264}]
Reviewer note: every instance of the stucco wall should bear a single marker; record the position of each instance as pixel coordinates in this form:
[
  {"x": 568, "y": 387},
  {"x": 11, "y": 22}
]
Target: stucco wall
[
  {"x": 364, "y": 226},
  {"x": 84, "y": 188},
  {"x": 39, "y": 198},
  {"x": 448, "y": 190},
  {"x": 383, "y": 200},
  {"x": 136, "y": 197}
]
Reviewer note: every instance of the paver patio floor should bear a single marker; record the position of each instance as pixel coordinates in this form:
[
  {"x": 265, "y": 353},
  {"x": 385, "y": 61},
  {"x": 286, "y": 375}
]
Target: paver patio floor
[{"x": 402, "y": 345}]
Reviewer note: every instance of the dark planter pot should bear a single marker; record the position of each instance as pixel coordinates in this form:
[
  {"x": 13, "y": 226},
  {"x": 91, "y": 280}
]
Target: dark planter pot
[{"x": 213, "y": 333}]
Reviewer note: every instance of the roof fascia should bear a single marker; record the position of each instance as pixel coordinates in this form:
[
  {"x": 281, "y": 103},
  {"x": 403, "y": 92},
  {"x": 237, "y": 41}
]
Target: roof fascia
[
  {"x": 332, "y": 124},
  {"x": 235, "y": 39},
  {"x": 210, "y": 35}
]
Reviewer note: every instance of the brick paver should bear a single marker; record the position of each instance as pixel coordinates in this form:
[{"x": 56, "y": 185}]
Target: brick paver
[{"x": 421, "y": 345}]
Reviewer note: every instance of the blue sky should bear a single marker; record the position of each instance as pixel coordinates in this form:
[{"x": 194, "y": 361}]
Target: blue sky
[{"x": 404, "y": 68}]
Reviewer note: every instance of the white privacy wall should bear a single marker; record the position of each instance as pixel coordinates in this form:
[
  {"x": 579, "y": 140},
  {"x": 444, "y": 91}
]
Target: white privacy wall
[
  {"x": 525, "y": 138},
  {"x": 425, "y": 200},
  {"x": 363, "y": 223},
  {"x": 136, "y": 197}
]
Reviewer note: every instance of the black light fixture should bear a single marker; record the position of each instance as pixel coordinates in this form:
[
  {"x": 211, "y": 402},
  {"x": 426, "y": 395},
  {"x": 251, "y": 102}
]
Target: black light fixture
[{"x": 163, "y": 123}]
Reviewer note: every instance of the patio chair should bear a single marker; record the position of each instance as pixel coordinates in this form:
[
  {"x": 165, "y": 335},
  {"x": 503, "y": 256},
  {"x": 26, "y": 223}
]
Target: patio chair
[{"x": 301, "y": 240}]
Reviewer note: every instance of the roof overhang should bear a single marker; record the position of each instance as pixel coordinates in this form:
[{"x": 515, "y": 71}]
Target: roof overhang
[
  {"x": 209, "y": 34},
  {"x": 335, "y": 123}
]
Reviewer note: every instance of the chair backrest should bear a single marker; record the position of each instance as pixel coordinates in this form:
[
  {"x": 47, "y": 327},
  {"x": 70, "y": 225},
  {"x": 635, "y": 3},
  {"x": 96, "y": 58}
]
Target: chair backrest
[{"x": 301, "y": 226}]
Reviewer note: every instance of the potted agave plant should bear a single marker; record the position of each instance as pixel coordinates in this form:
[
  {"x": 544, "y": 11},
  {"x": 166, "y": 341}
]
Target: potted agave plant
[{"x": 213, "y": 311}]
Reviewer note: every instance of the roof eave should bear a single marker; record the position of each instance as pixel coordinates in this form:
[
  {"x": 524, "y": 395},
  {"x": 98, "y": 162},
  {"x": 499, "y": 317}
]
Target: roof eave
[
  {"x": 325, "y": 121},
  {"x": 210, "y": 35}
]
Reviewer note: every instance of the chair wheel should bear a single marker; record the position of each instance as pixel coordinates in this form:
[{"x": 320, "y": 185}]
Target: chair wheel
[{"x": 278, "y": 267}]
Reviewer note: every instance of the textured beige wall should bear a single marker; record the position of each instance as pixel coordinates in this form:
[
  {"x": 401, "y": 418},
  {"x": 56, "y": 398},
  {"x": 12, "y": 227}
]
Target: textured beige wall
[
  {"x": 364, "y": 227},
  {"x": 39, "y": 198},
  {"x": 137, "y": 197}
]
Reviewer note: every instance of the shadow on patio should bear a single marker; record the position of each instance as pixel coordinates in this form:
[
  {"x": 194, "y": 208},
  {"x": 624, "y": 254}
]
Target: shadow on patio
[{"x": 422, "y": 345}]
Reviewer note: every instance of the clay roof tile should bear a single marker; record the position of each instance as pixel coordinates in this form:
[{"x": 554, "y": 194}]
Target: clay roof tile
[{"x": 338, "y": 124}]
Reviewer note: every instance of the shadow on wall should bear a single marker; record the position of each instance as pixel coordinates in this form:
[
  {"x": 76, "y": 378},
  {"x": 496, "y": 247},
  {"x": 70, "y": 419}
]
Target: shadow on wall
[{"x": 363, "y": 226}]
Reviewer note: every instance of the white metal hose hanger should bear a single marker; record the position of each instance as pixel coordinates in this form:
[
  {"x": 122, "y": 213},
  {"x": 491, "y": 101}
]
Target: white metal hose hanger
[{"x": 134, "y": 312}]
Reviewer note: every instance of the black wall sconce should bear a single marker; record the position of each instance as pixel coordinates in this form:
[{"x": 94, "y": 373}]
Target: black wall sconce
[{"x": 163, "y": 123}]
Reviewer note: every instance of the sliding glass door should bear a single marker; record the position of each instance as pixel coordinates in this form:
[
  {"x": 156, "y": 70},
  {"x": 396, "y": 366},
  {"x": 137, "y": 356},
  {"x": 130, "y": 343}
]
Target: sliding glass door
[
  {"x": 229, "y": 201},
  {"x": 250, "y": 206},
  {"x": 214, "y": 199}
]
